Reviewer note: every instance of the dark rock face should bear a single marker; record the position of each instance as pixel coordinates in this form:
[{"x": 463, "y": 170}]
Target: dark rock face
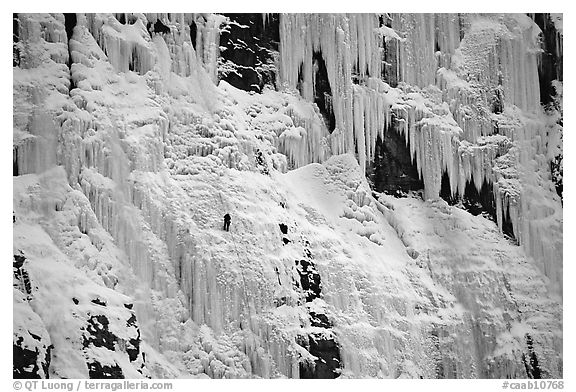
[
  {"x": 15, "y": 40},
  {"x": 193, "y": 33},
  {"x": 389, "y": 71},
  {"x": 261, "y": 163},
  {"x": 323, "y": 92},
  {"x": 251, "y": 44},
  {"x": 474, "y": 202},
  {"x": 98, "y": 301},
  {"x": 319, "y": 320},
  {"x": 477, "y": 202},
  {"x": 322, "y": 345},
  {"x": 15, "y": 28},
  {"x": 393, "y": 171},
  {"x": 96, "y": 370},
  {"x": 30, "y": 352},
  {"x": 556, "y": 168},
  {"x": 160, "y": 28},
  {"x": 20, "y": 275},
  {"x": 309, "y": 279},
  {"x": 98, "y": 334},
  {"x": 133, "y": 345},
  {"x": 69, "y": 24},
  {"x": 15, "y": 171},
  {"x": 25, "y": 361},
  {"x": 156, "y": 28},
  {"x": 326, "y": 349},
  {"x": 550, "y": 67},
  {"x": 284, "y": 231},
  {"x": 531, "y": 360},
  {"x": 497, "y": 102}
]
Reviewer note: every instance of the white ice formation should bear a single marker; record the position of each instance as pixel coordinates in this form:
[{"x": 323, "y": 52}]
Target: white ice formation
[
  {"x": 447, "y": 85},
  {"x": 128, "y": 151}
]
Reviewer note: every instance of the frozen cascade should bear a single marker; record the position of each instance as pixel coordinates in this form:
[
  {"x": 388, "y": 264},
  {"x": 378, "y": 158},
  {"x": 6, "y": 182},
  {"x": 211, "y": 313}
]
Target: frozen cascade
[
  {"x": 128, "y": 46},
  {"x": 35, "y": 131},
  {"x": 36, "y": 151},
  {"x": 349, "y": 44},
  {"x": 508, "y": 66},
  {"x": 305, "y": 142},
  {"x": 147, "y": 152},
  {"x": 479, "y": 63},
  {"x": 208, "y": 43},
  {"x": 113, "y": 207},
  {"x": 417, "y": 54}
]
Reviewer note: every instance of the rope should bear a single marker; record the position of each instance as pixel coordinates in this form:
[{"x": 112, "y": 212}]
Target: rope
[{"x": 246, "y": 300}]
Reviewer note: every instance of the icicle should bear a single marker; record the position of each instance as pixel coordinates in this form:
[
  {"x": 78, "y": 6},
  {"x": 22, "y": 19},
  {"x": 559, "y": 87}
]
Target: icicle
[
  {"x": 208, "y": 47},
  {"x": 346, "y": 42},
  {"x": 417, "y": 60},
  {"x": 305, "y": 142},
  {"x": 37, "y": 151}
]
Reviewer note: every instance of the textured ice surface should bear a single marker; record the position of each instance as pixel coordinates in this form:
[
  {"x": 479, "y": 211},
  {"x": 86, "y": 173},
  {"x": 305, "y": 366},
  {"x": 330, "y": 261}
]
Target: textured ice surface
[{"x": 128, "y": 153}]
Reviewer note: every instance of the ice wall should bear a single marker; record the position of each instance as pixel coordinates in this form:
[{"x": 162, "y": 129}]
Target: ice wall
[
  {"x": 114, "y": 145},
  {"x": 128, "y": 45},
  {"x": 463, "y": 79},
  {"x": 350, "y": 45},
  {"x": 42, "y": 42},
  {"x": 154, "y": 153}
]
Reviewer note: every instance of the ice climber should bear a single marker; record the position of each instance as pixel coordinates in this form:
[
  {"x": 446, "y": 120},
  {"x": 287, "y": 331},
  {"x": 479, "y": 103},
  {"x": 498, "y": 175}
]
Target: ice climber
[{"x": 227, "y": 222}]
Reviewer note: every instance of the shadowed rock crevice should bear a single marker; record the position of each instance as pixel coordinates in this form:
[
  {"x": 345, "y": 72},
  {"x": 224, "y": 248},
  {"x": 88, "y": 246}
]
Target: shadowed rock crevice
[
  {"x": 97, "y": 334},
  {"x": 25, "y": 361},
  {"x": 99, "y": 371},
  {"x": 20, "y": 275},
  {"x": 557, "y": 170},
  {"x": 322, "y": 91},
  {"x": 550, "y": 65},
  {"x": 322, "y": 344},
  {"x": 477, "y": 202},
  {"x": 251, "y": 45},
  {"x": 324, "y": 347},
  {"x": 193, "y": 33},
  {"x": 531, "y": 360},
  {"x": 15, "y": 40},
  {"x": 15, "y": 170},
  {"x": 284, "y": 233},
  {"x": 393, "y": 171},
  {"x": 309, "y": 279},
  {"x": 69, "y": 23}
]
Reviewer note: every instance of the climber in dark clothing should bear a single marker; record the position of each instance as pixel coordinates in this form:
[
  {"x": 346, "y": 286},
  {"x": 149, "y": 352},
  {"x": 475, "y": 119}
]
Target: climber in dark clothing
[{"x": 227, "y": 222}]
